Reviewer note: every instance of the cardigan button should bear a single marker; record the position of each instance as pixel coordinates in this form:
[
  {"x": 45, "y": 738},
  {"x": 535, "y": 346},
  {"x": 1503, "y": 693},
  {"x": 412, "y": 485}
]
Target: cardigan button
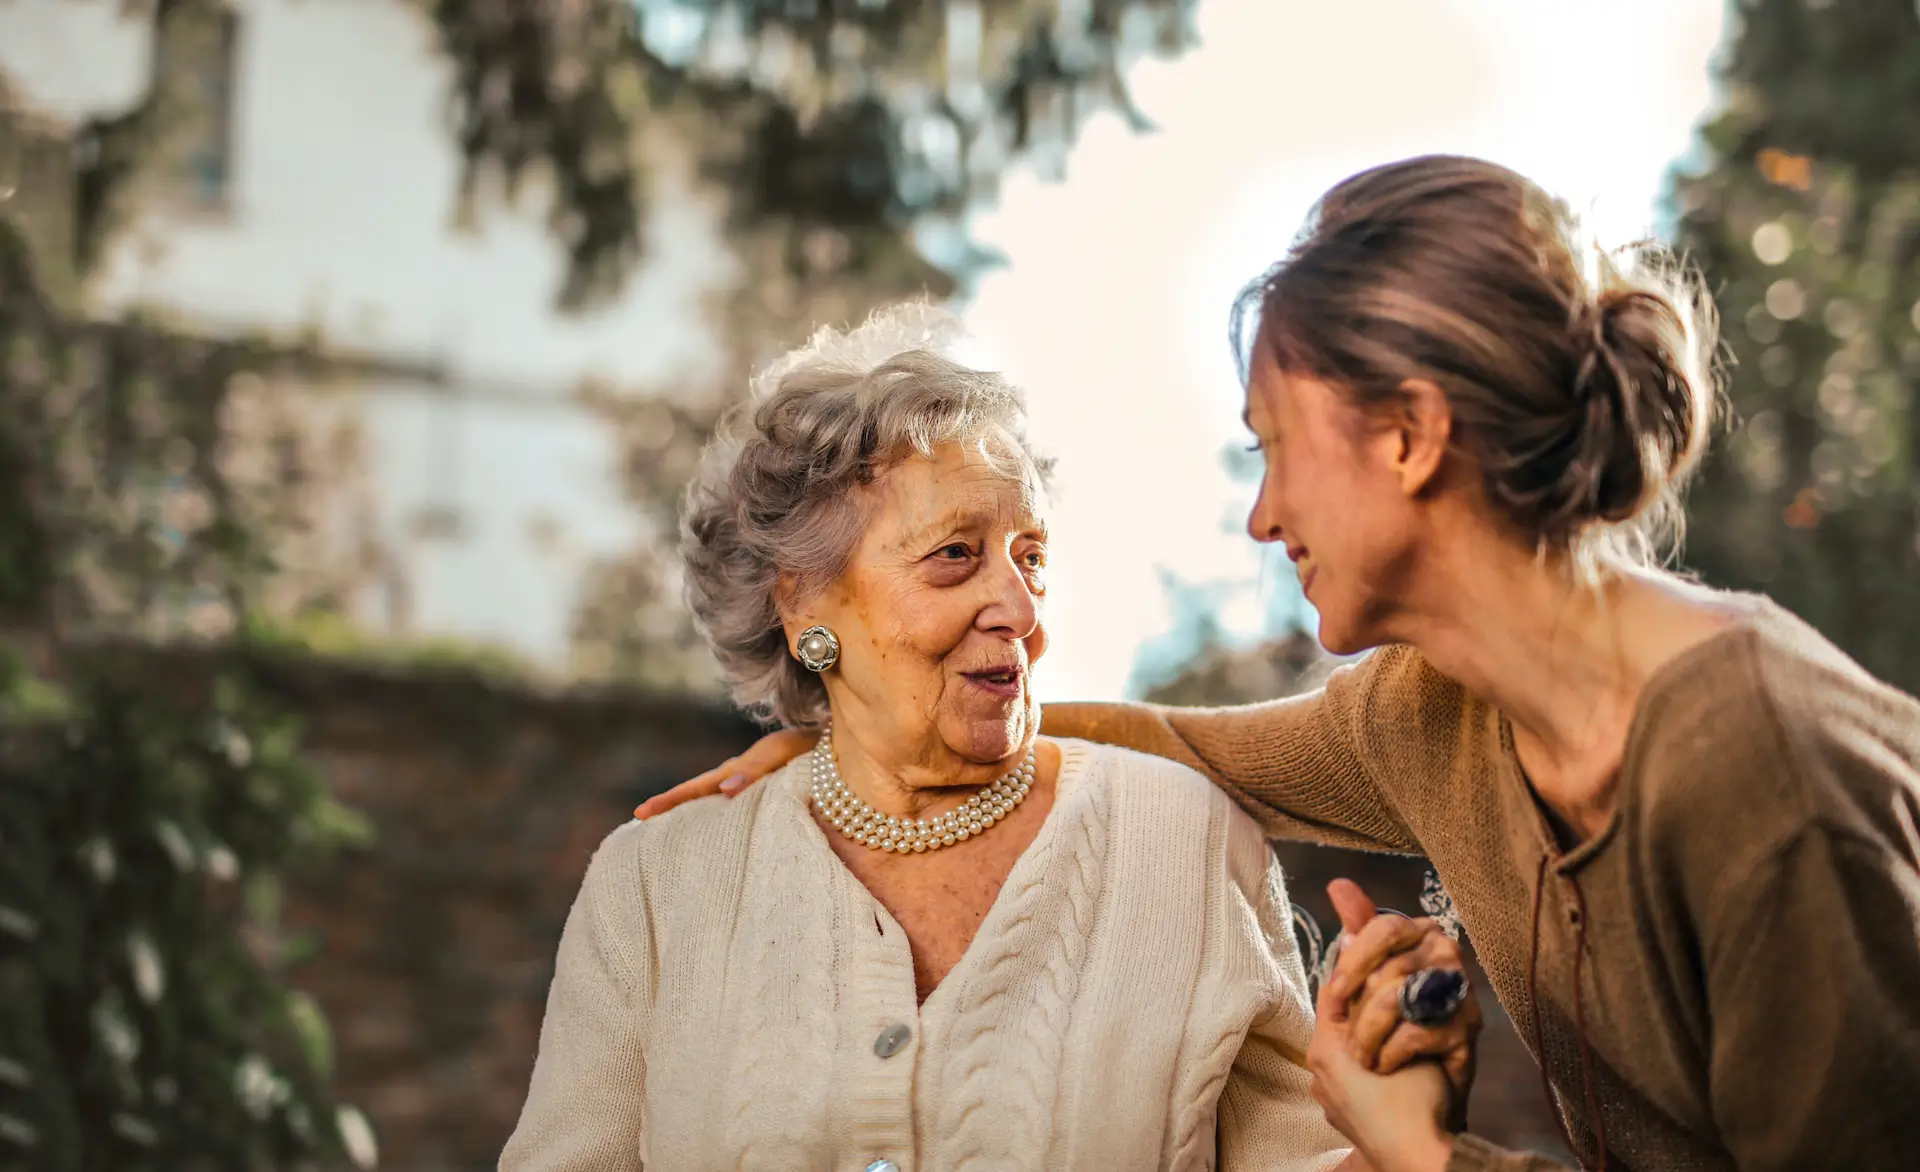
[
  {"x": 883, "y": 1166},
  {"x": 891, "y": 1041}
]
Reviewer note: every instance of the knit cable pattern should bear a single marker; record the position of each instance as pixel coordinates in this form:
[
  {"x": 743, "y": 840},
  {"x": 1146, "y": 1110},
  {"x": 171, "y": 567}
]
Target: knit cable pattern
[{"x": 1013, "y": 1073}]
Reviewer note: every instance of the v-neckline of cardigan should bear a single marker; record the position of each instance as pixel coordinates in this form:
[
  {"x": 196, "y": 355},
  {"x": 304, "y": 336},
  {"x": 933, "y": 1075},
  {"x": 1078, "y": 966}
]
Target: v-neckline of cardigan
[{"x": 1066, "y": 786}]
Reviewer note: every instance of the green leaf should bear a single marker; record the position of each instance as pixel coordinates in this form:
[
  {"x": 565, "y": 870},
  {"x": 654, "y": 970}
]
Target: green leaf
[{"x": 315, "y": 1036}]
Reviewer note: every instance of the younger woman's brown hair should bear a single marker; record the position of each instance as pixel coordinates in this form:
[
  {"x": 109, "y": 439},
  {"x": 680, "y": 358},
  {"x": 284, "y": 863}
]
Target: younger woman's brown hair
[{"x": 1581, "y": 383}]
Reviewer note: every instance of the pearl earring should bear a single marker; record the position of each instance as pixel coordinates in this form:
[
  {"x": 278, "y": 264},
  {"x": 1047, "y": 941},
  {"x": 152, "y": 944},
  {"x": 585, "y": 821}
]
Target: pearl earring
[{"x": 818, "y": 649}]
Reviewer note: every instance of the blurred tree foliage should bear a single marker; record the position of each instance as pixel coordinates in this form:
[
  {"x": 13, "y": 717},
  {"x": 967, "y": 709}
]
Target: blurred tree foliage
[
  {"x": 145, "y": 1022},
  {"x": 846, "y": 123},
  {"x": 1806, "y": 220}
]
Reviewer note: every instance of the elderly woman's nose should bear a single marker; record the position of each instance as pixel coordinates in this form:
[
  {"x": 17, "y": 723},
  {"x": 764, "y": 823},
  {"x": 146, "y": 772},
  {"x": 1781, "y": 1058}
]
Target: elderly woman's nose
[{"x": 1011, "y": 601}]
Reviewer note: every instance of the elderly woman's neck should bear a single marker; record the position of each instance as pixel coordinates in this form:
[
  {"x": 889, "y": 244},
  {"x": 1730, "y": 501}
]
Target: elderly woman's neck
[{"x": 910, "y": 781}]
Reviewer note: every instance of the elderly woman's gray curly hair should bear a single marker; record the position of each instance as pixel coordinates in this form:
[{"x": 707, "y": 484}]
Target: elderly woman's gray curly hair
[{"x": 778, "y": 489}]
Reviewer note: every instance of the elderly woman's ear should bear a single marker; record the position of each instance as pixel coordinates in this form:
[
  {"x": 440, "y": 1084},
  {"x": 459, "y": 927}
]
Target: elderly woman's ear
[
  {"x": 817, "y": 648},
  {"x": 812, "y": 643}
]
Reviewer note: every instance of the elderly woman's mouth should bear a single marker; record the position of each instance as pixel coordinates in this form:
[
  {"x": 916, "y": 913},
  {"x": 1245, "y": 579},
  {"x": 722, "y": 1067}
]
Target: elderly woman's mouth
[{"x": 1001, "y": 681}]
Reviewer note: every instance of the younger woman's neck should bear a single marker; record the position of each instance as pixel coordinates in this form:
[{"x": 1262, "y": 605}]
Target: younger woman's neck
[{"x": 1564, "y": 660}]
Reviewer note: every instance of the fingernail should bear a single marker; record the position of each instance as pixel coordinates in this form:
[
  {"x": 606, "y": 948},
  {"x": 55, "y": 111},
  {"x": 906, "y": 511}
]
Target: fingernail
[
  {"x": 640, "y": 811},
  {"x": 734, "y": 784}
]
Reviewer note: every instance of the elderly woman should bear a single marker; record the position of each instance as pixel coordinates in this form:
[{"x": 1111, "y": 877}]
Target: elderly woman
[{"x": 937, "y": 940}]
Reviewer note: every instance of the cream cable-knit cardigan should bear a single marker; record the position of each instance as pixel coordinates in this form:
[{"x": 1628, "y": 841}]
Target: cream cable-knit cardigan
[{"x": 726, "y": 990}]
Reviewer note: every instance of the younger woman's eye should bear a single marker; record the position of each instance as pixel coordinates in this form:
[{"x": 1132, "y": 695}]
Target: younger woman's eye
[{"x": 1256, "y": 446}]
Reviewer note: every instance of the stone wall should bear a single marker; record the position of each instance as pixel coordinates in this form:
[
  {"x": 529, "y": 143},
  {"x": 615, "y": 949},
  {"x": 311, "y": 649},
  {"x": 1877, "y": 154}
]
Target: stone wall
[
  {"x": 488, "y": 797},
  {"x": 439, "y": 945}
]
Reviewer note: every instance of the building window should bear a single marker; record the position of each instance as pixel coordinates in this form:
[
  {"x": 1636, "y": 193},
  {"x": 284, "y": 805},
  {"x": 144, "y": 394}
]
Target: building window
[{"x": 202, "y": 155}]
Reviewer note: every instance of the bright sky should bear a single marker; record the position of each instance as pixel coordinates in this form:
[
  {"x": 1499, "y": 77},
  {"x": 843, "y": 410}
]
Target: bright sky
[{"x": 1113, "y": 309}]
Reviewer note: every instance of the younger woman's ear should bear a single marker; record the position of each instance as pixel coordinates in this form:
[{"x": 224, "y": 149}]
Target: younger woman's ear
[{"x": 1423, "y": 422}]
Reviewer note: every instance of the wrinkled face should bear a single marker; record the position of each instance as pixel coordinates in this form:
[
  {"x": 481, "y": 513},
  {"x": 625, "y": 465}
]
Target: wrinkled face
[
  {"x": 1330, "y": 494},
  {"x": 939, "y": 614}
]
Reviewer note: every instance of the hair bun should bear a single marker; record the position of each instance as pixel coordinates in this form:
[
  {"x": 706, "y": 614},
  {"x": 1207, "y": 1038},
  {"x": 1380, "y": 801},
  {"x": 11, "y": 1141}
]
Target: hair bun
[{"x": 1640, "y": 407}]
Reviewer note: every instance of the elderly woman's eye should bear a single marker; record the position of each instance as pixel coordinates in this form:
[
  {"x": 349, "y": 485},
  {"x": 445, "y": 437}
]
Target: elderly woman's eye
[{"x": 955, "y": 552}]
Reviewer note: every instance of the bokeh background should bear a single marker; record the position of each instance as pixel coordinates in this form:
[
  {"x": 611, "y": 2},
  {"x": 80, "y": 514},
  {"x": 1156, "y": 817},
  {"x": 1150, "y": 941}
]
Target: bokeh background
[{"x": 352, "y": 353}]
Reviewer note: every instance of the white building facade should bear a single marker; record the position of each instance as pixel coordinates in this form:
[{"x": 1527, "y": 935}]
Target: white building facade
[{"x": 323, "y": 196}]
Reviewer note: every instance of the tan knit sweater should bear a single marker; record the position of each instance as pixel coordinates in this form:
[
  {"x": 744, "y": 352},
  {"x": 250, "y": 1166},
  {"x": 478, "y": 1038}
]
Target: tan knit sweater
[
  {"x": 1749, "y": 981},
  {"x": 726, "y": 992}
]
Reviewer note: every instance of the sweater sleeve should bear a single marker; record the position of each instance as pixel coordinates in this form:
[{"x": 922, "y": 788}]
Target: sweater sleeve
[
  {"x": 584, "y": 1108},
  {"x": 1268, "y": 1118},
  {"x": 1814, "y": 990},
  {"x": 1296, "y": 765}
]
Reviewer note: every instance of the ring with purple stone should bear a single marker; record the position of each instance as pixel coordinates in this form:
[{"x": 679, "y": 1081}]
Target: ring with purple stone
[{"x": 1431, "y": 997}]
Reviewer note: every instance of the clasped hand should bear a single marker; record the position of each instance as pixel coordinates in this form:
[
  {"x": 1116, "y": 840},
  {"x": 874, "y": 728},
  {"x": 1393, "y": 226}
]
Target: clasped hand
[{"x": 1397, "y": 1090}]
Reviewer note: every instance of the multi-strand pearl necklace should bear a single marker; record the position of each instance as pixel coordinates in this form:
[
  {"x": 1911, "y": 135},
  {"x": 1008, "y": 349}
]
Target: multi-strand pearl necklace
[{"x": 869, "y": 827}]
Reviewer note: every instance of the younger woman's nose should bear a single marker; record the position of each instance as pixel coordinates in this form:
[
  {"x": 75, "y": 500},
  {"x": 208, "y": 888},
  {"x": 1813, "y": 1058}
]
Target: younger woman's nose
[{"x": 1262, "y": 526}]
